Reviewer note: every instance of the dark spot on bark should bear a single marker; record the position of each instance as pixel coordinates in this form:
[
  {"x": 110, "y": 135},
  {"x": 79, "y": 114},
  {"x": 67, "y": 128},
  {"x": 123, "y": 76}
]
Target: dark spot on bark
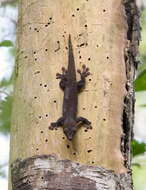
[
  {"x": 40, "y": 117},
  {"x": 35, "y": 97},
  {"x": 78, "y": 9},
  {"x": 107, "y": 57},
  {"x": 46, "y": 49},
  {"x": 89, "y": 151},
  {"x": 104, "y": 119},
  {"x": 80, "y": 57},
  {"x": 28, "y": 181},
  {"x": 35, "y": 59},
  {"x": 73, "y": 15},
  {"x": 54, "y": 101},
  {"x": 30, "y": 28},
  {"x": 81, "y": 45},
  {"x": 67, "y": 146},
  {"x": 25, "y": 57},
  {"x": 74, "y": 153},
  {"x": 58, "y": 42},
  {"x": 84, "y": 108},
  {"x": 34, "y": 52},
  {"x": 45, "y": 85},
  {"x": 86, "y": 130},
  {"x": 92, "y": 162},
  {"x": 40, "y": 84},
  {"x": 50, "y": 18},
  {"x": 63, "y": 137},
  {"x": 85, "y": 25},
  {"x": 37, "y": 72},
  {"x": 95, "y": 106},
  {"x": 89, "y": 79},
  {"x": 42, "y": 131},
  {"x": 89, "y": 59},
  {"x": 37, "y": 149},
  {"x": 46, "y": 140},
  {"x": 104, "y": 10},
  {"x": 35, "y": 29},
  {"x": 46, "y": 115},
  {"x": 46, "y": 25},
  {"x": 127, "y": 86}
]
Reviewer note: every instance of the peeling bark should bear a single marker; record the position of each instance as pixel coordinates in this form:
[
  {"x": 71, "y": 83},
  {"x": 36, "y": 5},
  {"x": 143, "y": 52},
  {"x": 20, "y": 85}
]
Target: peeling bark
[
  {"x": 49, "y": 173},
  {"x": 131, "y": 63}
]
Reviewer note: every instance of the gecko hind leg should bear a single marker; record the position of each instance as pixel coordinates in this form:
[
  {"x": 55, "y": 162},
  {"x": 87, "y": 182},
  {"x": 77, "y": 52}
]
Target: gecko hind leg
[
  {"x": 63, "y": 78},
  {"x": 57, "y": 124}
]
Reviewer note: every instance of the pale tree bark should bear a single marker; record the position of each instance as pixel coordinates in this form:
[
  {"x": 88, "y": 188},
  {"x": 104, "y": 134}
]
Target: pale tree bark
[{"x": 105, "y": 37}]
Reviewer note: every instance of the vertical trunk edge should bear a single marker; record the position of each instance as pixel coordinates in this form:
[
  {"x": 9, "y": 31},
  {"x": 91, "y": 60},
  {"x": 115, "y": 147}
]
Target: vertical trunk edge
[
  {"x": 47, "y": 172},
  {"x": 131, "y": 63}
]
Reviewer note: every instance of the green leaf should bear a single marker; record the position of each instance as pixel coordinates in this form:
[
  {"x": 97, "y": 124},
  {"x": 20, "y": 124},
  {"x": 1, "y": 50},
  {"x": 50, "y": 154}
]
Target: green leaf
[
  {"x": 6, "y": 43},
  {"x": 142, "y": 66},
  {"x": 5, "y": 114},
  {"x": 138, "y": 148},
  {"x": 143, "y": 105},
  {"x": 136, "y": 164},
  {"x": 13, "y": 3},
  {"x": 143, "y": 32},
  {"x": 140, "y": 82},
  {"x": 5, "y": 82}
]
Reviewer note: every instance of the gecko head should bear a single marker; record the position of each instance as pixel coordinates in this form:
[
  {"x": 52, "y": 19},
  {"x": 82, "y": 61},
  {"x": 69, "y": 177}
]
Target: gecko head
[
  {"x": 70, "y": 129},
  {"x": 70, "y": 132}
]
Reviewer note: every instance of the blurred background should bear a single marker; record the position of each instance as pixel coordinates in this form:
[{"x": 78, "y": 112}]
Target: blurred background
[{"x": 8, "y": 22}]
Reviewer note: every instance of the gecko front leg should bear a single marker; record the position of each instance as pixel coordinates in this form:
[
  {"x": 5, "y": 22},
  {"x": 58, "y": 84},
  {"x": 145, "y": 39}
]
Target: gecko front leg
[
  {"x": 84, "y": 121},
  {"x": 58, "y": 123}
]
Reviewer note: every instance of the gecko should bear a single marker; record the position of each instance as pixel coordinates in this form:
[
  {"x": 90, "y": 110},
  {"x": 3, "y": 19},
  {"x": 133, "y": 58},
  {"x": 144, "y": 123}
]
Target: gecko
[{"x": 71, "y": 87}]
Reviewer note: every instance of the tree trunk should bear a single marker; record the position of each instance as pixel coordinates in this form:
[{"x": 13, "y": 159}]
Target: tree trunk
[{"x": 105, "y": 37}]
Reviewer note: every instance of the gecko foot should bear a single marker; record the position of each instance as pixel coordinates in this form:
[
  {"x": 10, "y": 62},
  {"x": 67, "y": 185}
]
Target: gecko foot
[
  {"x": 63, "y": 75},
  {"x": 85, "y": 71},
  {"x": 57, "y": 124},
  {"x": 53, "y": 126}
]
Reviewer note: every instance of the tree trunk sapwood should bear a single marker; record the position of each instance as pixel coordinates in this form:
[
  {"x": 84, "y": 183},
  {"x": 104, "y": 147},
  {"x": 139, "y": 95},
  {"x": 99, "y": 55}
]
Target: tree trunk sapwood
[{"x": 105, "y": 36}]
